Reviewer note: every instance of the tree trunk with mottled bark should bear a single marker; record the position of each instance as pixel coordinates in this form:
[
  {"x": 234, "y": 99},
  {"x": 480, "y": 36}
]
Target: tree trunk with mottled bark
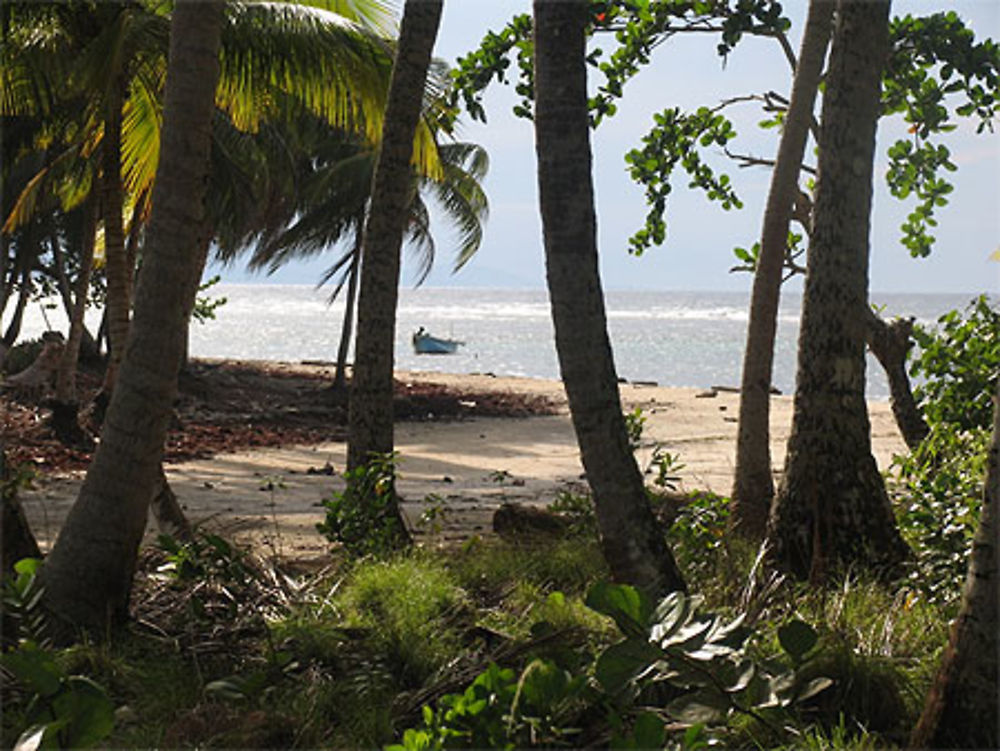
[
  {"x": 370, "y": 427},
  {"x": 88, "y": 575},
  {"x": 832, "y": 510},
  {"x": 963, "y": 707},
  {"x": 753, "y": 487},
  {"x": 633, "y": 544}
]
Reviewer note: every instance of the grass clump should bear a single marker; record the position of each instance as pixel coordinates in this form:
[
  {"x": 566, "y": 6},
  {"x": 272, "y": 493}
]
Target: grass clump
[{"x": 412, "y": 608}]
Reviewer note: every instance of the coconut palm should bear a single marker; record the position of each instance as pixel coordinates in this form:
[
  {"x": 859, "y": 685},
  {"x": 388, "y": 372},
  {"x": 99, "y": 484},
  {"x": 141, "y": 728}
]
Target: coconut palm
[
  {"x": 370, "y": 424},
  {"x": 330, "y": 65},
  {"x": 334, "y": 199},
  {"x": 88, "y": 574},
  {"x": 632, "y": 542}
]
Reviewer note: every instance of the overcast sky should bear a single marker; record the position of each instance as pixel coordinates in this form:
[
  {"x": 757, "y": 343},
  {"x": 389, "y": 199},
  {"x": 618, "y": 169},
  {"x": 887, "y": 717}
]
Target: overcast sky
[{"x": 697, "y": 255}]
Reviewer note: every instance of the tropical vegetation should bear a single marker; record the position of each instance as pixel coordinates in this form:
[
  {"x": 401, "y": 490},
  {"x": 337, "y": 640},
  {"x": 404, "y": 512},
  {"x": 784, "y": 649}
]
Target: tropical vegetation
[{"x": 139, "y": 135}]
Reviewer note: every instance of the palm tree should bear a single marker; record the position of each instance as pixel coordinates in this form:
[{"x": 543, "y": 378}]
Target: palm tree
[
  {"x": 370, "y": 424},
  {"x": 329, "y": 65},
  {"x": 633, "y": 544},
  {"x": 753, "y": 487},
  {"x": 333, "y": 204},
  {"x": 832, "y": 510},
  {"x": 89, "y": 571}
]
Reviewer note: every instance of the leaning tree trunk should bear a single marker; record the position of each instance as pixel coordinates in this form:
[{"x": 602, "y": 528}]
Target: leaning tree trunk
[
  {"x": 832, "y": 510},
  {"x": 88, "y": 575},
  {"x": 340, "y": 374},
  {"x": 963, "y": 706},
  {"x": 65, "y": 408},
  {"x": 890, "y": 342},
  {"x": 753, "y": 487},
  {"x": 119, "y": 275},
  {"x": 632, "y": 542},
  {"x": 370, "y": 429}
]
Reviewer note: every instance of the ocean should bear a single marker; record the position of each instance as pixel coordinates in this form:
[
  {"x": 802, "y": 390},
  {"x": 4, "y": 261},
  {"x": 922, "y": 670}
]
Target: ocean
[{"x": 673, "y": 338}]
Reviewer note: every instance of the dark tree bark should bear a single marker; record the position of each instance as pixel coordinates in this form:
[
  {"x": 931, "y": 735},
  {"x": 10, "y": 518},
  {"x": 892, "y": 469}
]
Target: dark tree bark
[
  {"x": 753, "y": 487},
  {"x": 632, "y": 542},
  {"x": 88, "y": 575},
  {"x": 66, "y": 379},
  {"x": 963, "y": 706},
  {"x": 347, "y": 329},
  {"x": 370, "y": 428},
  {"x": 832, "y": 510},
  {"x": 890, "y": 342},
  {"x": 119, "y": 276},
  {"x": 18, "y": 541}
]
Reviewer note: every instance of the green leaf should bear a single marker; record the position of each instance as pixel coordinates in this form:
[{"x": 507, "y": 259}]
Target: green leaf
[
  {"x": 797, "y": 638},
  {"x": 813, "y": 687},
  {"x": 629, "y": 607},
  {"x": 649, "y": 731},
  {"x": 90, "y": 712},
  {"x": 704, "y": 705},
  {"x": 620, "y": 662},
  {"x": 34, "y": 668}
]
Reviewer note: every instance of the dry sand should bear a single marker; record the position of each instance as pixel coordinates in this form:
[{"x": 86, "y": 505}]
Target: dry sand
[{"x": 471, "y": 465}]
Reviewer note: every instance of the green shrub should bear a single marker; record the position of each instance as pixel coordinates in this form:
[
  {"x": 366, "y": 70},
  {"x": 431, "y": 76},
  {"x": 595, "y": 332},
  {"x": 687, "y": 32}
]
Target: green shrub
[
  {"x": 364, "y": 517},
  {"x": 959, "y": 362}
]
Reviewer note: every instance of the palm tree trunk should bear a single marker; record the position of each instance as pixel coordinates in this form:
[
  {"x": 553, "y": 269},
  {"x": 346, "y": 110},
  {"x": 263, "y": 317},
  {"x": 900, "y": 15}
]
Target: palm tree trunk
[
  {"x": 88, "y": 575},
  {"x": 633, "y": 544},
  {"x": 340, "y": 375},
  {"x": 66, "y": 378},
  {"x": 119, "y": 275},
  {"x": 961, "y": 707},
  {"x": 832, "y": 510},
  {"x": 14, "y": 327},
  {"x": 753, "y": 487},
  {"x": 370, "y": 428}
]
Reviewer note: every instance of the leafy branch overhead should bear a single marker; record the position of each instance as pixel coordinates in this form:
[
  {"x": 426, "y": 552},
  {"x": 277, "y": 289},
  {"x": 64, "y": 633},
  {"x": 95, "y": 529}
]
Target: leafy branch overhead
[{"x": 933, "y": 58}]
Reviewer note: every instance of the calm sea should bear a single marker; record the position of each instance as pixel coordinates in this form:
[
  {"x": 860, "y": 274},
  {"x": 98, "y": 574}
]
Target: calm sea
[{"x": 673, "y": 338}]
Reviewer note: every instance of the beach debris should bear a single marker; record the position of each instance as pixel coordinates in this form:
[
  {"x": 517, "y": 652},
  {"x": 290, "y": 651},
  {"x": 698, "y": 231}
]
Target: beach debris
[
  {"x": 707, "y": 394},
  {"x": 326, "y": 469}
]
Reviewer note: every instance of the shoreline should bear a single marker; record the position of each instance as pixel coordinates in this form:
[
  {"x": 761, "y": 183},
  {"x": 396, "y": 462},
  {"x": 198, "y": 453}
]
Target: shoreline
[{"x": 469, "y": 465}]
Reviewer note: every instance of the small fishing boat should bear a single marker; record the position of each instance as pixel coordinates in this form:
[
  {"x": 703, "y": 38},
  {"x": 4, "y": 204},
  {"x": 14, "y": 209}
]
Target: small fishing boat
[{"x": 425, "y": 344}]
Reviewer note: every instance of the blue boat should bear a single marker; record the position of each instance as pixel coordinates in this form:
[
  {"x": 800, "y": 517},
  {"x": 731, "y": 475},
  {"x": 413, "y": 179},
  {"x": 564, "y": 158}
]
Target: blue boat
[{"x": 425, "y": 344}]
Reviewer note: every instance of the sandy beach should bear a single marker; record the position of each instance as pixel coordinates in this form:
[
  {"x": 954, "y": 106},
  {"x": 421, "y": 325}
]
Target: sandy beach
[{"x": 467, "y": 466}]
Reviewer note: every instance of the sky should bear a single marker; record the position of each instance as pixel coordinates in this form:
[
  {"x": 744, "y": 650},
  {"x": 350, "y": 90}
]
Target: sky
[{"x": 697, "y": 254}]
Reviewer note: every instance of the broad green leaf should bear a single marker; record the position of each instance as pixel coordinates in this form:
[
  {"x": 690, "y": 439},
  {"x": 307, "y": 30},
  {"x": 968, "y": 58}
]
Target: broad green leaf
[
  {"x": 34, "y": 668},
  {"x": 629, "y": 607},
  {"x": 797, "y": 638},
  {"x": 620, "y": 662},
  {"x": 649, "y": 731},
  {"x": 705, "y": 705},
  {"x": 813, "y": 687},
  {"x": 90, "y": 712}
]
